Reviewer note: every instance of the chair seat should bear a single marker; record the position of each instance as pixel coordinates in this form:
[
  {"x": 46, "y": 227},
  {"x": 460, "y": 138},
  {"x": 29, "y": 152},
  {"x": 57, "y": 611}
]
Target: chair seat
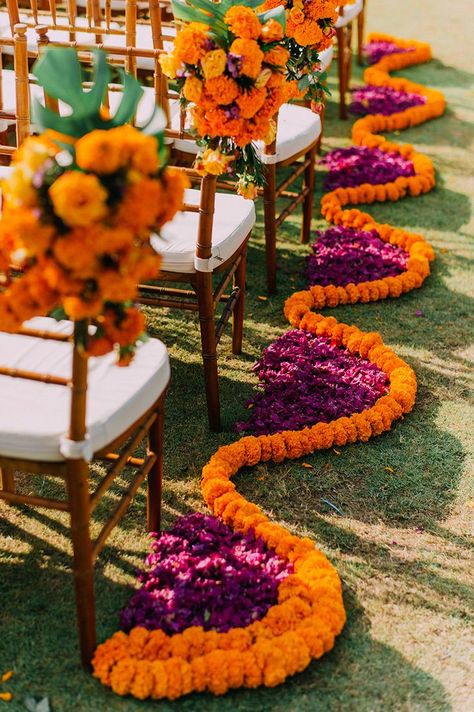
[
  {"x": 350, "y": 12},
  {"x": 325, "y": 57},
  {"x": 34, "y": 416},
  {"x": 234, "y": 218},
  {"x": 298, "y": 129}
]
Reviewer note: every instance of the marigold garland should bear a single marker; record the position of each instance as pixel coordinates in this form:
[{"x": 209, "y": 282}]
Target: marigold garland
[
  {"x": 310, "y": 611},
  {"x": 365, "y": 133}
]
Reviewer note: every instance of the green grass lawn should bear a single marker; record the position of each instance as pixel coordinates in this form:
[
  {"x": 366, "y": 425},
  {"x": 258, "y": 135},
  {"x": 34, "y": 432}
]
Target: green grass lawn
[{"x": 402, "y": 547}]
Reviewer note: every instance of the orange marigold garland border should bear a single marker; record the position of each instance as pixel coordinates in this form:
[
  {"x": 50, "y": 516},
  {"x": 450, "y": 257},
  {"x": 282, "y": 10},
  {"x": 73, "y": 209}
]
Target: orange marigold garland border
[
  {"x": 310, "y": 610},
  {"x": 365, "y": 133}
]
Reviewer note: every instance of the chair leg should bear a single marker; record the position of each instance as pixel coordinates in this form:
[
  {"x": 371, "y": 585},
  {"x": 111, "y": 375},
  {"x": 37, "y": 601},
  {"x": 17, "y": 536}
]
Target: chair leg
[
  {"x": 209, "y": 349},
  {"x": 309, "y": 181},
  {"x": 238, "y": 313},
  {"x": 78, "y": 496},
  {"x": 269, "y": 207},
  {"x": 320, "y": 139},
  {"x": 360, "y": 35},
  {"x": 155, "y": 476},
  {"x": 8, "y": 480},
  {"x": 342, "y": 69}
]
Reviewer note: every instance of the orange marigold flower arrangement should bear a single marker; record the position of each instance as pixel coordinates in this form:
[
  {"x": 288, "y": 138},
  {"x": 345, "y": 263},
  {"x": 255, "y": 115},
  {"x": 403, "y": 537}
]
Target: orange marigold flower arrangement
[
  {"x": 309, "y": 31},
  {"x": 233, "y": 81},
  {"x": 77, "y": 221}
]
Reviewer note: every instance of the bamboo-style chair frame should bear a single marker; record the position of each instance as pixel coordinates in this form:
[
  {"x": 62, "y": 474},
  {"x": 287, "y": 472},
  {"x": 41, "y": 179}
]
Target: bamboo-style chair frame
[
  {"x": 344, "y": 62},
  {"x": 204, "y": 298},
  {"x": 100, "y": 21},
  {"x": 75, "y": 473},
  {"x": 361, "y": 33},
  {"x": 79, "y": 502}
]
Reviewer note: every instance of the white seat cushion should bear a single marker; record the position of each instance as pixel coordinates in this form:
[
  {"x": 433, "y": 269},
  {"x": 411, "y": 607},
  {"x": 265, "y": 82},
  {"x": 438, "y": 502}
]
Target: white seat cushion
[
  {"x": 298, "y": 129},
  {"x": 350, "y": 12},
  {"x": 34, "y": 416},
  {"x": 325, "y": 57},
  {"x": 234, "y": 218}
]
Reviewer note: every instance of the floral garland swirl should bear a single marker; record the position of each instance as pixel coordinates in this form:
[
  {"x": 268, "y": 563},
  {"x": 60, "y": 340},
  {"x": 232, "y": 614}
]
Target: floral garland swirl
[
  {"x": 310, "y": 611},
  {"x": 365, "y": 133}
]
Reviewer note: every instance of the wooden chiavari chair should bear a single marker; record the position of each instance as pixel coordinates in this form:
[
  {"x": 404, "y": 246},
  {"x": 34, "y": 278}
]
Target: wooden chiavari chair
[
  {"x": 298, "y": 132},
  {"x": 361, "y": 33},
  {"x": 46, "y": 382},
  {"x": 117, "y": 23},
  {"x": 344, "y": 33},
  {"x": 203, "y": 245},
  {"x": 60, "y": 411}
]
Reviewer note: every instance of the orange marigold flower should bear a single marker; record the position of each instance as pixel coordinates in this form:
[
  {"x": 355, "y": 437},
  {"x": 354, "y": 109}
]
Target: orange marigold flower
[
  {"x": 250, "y": 102},
  {"x": 115, "y": 287},
  {"x": 192, "y": 89},
  {"x": 272, "y": 31},
  {"x": 124, "y": 330},
  {"x": 75, "y": 252},
  {"x": 223, "y": 90},
  {"x": 140, "y": 205},
  {"x": 22, "y": 235},
  {"x": 78, "y": 308},
  {"x": 243, "y": 22},
  {"x": 190, "y": 43},
  {"x": 251, "y": 54},
  {"x": 79, "y": 199}
]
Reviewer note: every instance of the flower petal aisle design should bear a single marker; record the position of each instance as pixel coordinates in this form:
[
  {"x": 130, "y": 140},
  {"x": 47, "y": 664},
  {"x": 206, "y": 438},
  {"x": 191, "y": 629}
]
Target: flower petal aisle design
[{"x": 308, "y": 613}]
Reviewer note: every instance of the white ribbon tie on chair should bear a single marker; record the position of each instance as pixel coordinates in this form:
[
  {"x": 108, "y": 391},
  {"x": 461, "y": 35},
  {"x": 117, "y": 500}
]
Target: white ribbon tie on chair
[
  {"x": 76, "y": 449},
  {"x": 269, "y": 158},
  {"x": 208, "y": 264}
]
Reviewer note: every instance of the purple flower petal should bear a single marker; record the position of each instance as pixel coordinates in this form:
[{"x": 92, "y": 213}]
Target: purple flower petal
[
  {"x": 202, "y": 573},
  {"x": 343, "y": 255},
  {"x": 372, "y": 99},
  {"x": 349, "y": 167},
  {"x": 377, "y": 49},
  {"x": 306, "y": 379}
]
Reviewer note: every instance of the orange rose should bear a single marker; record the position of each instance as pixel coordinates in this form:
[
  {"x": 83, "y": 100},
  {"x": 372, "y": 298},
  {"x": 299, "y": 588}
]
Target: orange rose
[
  {"x": 99, "y": 152},
  {"x": 79, "y": 199}
]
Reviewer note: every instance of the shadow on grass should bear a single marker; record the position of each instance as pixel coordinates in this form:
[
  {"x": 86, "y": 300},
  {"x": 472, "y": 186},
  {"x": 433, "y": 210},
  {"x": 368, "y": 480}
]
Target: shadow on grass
[{"x": 46, "y": 667}]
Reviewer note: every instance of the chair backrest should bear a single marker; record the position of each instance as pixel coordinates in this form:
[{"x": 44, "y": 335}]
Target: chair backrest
[
  {"x": 77, "y": 383},
  {"x": 14, "y": 92},
  {"x": 119, "y": 55}
]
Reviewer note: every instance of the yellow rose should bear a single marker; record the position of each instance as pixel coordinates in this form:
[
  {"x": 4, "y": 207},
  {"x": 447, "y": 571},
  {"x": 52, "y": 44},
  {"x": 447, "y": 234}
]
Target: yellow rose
[
  {"x": 213, "y": 63},
  {"x": 192, "y": 89},
  {"x": 169, "y": 64},
  {"x": 247, "y": 190},
  {"x": 79, "y": 199},
  {"x": 213, "y": 161},
  {"x": 263, "y": 78},
  {"x": 18, "y": 190},
  {"x": 271, "y": 134}
]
